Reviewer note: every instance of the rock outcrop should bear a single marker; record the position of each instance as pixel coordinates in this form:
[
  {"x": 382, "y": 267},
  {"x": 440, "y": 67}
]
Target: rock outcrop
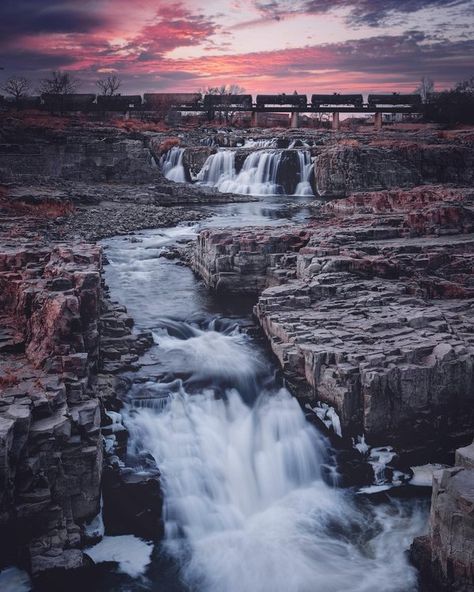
[
  {"x": 62, "y": 347},
  {"x": 50, "y": 417},
  {"x": 368, "y": 310},
  {"x": 347, "y": 167},
  {"x": 445, "y": 556}
]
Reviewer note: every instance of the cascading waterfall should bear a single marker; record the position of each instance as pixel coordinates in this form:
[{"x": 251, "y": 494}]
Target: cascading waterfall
[
  {"x": 172, "y": 165},
  {"x": 246, "y": 507},
  {"x": 305, "y": 168},
  {"x": 218, "y": 168},
  {"x": 257, "y": 176}
]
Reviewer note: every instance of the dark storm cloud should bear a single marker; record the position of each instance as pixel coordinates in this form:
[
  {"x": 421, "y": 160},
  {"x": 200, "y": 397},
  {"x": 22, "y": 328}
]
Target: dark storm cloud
[
  {"x": 361, "y": 12},
  {"x": 32, "y": 17}
]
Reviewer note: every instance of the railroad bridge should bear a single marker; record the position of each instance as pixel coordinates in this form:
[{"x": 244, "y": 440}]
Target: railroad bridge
[{"x": 295, "y": 104}]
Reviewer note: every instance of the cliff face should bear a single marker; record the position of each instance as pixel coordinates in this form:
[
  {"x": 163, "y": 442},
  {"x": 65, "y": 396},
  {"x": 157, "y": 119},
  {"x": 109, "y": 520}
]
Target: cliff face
[
  {"x": 62, "y": 344},
  {"x": 50, "y": 441},
  {"x": 76, "y": 154},
  {"x": 342, "y": 169},
  {"x": 368, "y": 310},
  {"x": 445, "y": 556}
]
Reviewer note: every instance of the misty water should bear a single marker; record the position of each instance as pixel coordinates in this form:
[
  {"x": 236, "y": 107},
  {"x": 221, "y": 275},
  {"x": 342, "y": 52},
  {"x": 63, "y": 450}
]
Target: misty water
[
  {"x": 259, "y": 175},
  {"x": 250, "y": 504}
]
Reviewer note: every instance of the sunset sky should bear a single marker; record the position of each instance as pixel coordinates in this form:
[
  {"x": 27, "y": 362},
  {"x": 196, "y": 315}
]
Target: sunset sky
[{"x": 262, "y": 45}]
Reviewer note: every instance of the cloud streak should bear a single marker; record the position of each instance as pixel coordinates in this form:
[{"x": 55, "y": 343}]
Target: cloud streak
[
  {"x": 153, "y": 46},
  {"x": 359, "y": 12}
]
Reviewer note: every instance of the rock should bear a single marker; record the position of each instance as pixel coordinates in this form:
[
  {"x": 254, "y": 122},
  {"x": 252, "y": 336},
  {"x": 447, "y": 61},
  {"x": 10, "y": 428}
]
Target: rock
[
  {"x": 370, "y": 311},
  {"x": 445, "y": 556},
  {"x": 133, "y": 500}
]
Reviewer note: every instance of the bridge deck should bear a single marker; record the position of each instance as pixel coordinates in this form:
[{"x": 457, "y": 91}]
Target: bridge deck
[{"x": 307, "y": 109}]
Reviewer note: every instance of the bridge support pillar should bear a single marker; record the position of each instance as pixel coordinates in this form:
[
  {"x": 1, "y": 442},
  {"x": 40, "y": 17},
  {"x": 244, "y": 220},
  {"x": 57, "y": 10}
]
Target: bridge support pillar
[
  {"x": 295, "y": 120},
  {"x": 254, "y": 119},
  {"x": 378, "y": 121},
  {"x": 335, "y": 121}
]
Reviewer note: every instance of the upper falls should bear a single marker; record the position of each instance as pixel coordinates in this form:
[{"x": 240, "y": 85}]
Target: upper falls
[{"x": 262, "y": 171}]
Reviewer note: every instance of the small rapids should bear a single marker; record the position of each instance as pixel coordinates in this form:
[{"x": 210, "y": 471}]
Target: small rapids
[{"x": 247, "y": 502}]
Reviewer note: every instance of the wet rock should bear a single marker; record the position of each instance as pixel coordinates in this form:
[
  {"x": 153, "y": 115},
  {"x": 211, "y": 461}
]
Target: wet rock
[{"x": 133, "y": 500}]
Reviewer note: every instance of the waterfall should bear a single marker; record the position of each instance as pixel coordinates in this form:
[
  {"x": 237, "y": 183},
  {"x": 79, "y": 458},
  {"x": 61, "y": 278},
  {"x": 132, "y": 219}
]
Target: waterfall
[
  {"x": 257, "y": 176},
  {"x": 305, "y": 168},
  {"x": 218, "y": 168},
  {"x": 172, "y": 165},
  {"x": 246, "y": 507}
]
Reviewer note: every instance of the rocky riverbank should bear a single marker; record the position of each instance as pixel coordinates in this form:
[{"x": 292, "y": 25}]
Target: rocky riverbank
[{"x": 64, "y": 344}]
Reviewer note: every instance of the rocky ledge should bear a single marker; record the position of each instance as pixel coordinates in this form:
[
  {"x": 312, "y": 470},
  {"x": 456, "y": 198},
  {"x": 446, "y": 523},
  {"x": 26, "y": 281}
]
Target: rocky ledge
[
  {"x": 369, "y": 310},
  {"x": 445, "y": 556},
  {"x": 62, "y": 346}
]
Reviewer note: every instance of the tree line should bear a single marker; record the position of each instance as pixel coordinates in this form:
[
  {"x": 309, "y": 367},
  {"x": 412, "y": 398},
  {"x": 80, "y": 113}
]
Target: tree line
[{"x": 58, "y": 83}]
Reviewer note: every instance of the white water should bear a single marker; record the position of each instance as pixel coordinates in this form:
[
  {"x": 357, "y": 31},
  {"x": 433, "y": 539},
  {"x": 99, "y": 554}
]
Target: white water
[
  {"x": 131, "y": 553},
  {"x": 245, "y": 505},
  {"x": 172, "y": 165},
  {"x": 305, "y": 167},
  {"x": 258, "y": 175},
  {"x": 13, "y": 579},
  {"x": 218, "y": 168}
]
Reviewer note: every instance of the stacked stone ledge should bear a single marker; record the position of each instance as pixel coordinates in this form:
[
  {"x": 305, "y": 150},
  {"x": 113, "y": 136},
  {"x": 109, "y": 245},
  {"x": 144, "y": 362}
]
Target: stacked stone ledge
[
  {"x": 370, "y": 309},
  {"x": 445, "y": 556},
  {"x": 61, "y": 345}
]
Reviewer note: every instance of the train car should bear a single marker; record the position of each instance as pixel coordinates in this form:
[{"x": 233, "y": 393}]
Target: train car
[
  {"x": 70, "y": 102},
  {"x": 118, "y": 102},
  {"x": 282, "y": 100},
  {"x": 219, "y": 101},
  {"x": 395, "y": 99},
  {"x": 27, "y": 102},
  {"x": 337, "y": 99},
  {"x": 164, "y": 101}
]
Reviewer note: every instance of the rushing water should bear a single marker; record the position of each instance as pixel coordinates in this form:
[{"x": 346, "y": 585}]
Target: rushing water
[
  {"x": 258, "y": 176},
  {"x": 246, "y": 504},
  {"x": 172, "y": 165}
]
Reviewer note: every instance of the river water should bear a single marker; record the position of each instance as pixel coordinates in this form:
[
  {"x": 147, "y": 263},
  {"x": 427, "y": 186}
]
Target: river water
[{"x": 246, "y": 505}]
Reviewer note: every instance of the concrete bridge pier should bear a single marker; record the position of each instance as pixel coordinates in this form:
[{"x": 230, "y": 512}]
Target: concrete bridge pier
[
  {"x": 254, "y": 119},
  {"x": 378, "y": 121},
  {"x": 295, "y": 120},
  {"x": 335, "y": 121}
]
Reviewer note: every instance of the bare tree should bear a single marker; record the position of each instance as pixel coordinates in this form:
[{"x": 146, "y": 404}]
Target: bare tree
[
  {"x": 17, "y": 87},
  {"x": 231, "y": 89},
  {"x": 110, "y": 85},
  {"x": 425, "y": 88},
  {"x": 465, "y": 86},
  {"x": 60, "y": 83}
]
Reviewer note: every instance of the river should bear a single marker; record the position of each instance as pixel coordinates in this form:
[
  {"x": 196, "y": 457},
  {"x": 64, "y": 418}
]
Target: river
[{"x": 248, "y": 504}]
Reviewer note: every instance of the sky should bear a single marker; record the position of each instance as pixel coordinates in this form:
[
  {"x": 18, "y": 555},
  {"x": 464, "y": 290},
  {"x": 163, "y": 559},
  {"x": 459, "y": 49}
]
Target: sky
[{"x": 261, "y": 45}]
